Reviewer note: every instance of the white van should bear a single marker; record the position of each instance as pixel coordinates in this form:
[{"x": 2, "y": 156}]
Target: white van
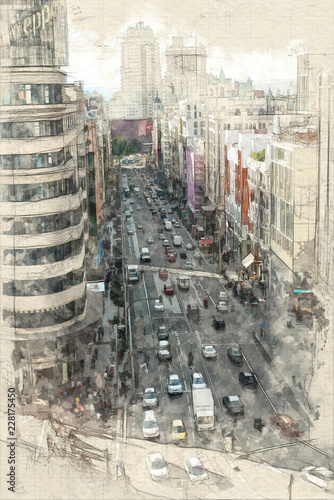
[
  {"x": 168, "y": 225},
  {"x": 145, "y": 255},
  {"x": 177, "y": 240}
]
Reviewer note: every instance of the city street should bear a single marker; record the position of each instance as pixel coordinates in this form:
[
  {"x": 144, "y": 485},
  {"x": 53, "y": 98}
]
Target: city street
[{"x": 220, "y": 375}]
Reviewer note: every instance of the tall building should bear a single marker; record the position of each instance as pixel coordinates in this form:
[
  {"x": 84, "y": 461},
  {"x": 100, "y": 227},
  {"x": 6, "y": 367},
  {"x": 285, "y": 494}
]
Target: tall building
[
  {"x": 186, "y": 70},
  {"x": 43, "y": 200},
  {"x": 140, "y": 73}
]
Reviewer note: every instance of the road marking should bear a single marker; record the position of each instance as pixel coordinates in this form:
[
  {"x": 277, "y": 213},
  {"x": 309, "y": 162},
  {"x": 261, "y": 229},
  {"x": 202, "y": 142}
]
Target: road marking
[{"x": 185, "y": 385}]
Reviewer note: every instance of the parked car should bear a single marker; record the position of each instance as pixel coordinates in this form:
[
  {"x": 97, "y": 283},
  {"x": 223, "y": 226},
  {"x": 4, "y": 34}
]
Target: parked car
[
  {"x": 163, "y": 273},
  {"x": 174, "y": 385},
  {"x": 190, "y": 246},
  {"x": 286, "y": 425},
  {"x": 150, "y": 425},
  {"x": 150, "y": 398},
  {"x": 222, "y": 306},
  {"x": 169, "y": 211},
  {"x": 197, "y": 381},
  {"x": 188, "y": 265},
  {"x": 183, "y": 255},
  {"x": 233, "y": 405},
  {"x": 235, "y": 356},
  {"x": 158, "y": 306},
  {"x": 130, "y": 230},
  {"x": 157, "y": 466},
  {"x": 138, "y": 207},
  {"x": 195, "y": 469},
  {"x": 150, "y": 240},
  {"x": 209, "y": 351},
  {"x": 163, "y": 333},
  {"x": 166, "y": 243},
  {"x": 218, "y": 323},
  {"x": 169, "y": 289},
  {"x": 140, "y": 227},
  {"x": 320, "y": 476},
  {"x": 248, "y": 380},
  {"x": 178, "y": 431}
]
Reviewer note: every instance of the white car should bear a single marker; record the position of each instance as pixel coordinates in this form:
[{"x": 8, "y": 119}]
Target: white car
[
  {"x": 131, "y": 230},
  {"x": 320, "y": 476},
  {"x": 197, "y": 381},
  {"x": 195, "y": 469},
  {"x": 158, "y": 306},
  {"x": 166, "y": 243},
  {"x": 157, "y": 466},
  {"x": 161, "y": 236},
  {"x": 222, "y": 306},
  {"x": 188, "y": 265},
  {"x": 150, "y": 425},
  {"x": 177, "y": 224},
  {"x": 150, "y": 398},
  {"x": 174, "y": 385},
  {"x": 138, "y": 207},
  {"x": 190, "y": 246},
  {"x": 209, "y": 351},
  {"x": 150, "y": 240}
]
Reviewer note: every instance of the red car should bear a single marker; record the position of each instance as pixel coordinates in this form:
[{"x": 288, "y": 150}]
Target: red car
[
  {"x": 163, "y": 274},
  {"x": 286, "y": 425},
  {"x": 169, "y": 289},
  {"x": 167, "y": 249},
  {"x": 171, "y": 256}
]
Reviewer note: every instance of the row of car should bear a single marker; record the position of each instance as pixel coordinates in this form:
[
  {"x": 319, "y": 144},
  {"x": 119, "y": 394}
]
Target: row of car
[{"x": 158, "y": 468}]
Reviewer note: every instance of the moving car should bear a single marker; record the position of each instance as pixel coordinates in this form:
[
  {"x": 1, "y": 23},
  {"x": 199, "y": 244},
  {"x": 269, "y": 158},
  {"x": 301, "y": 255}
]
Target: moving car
[
  {"x": 158, "y": 306},
  {"x": 157, "y": 466},
  {"x": 233, "y": 405},
  {"x": 164, "y": 350},
  {"x": 286, "y": 425},
  {"x": 177, "y": 224},
  {"x": 166, "y": 243},
  {"x": 183, "y": 255},
  {"x": 235, "y": 356},
  {"x": 138, "y": 207},
  {"x": 248, "y": 379},
  {"x": 150, "y": 398},
  {"x": 190, "y": 246},
  {"x": 161, "y": 235},
  {"x": 140, "y": 227},
  {"x": 171, "y": 256},
  {"x": 167, "y": 248},
  {"x": 195, "y": 469},
  {"x": 320, "y": 476},
  {"x": 197, "y": 381},
  {"x": 130, "y": 230},
  {"x": 163, "y": 333},
  {"x": 219, "y": 323},
  {"x": 163, "y": 273},
  {"x": 178, "y": 431},
  {"x": 150, "y": 240},
  {"x": 188, "y": 265},
  {"x": 174, "y": 385},
  {"x": 222, "y": 306},
  {"x": 169, "y": 211},
  {"x": 209, "y": 351},
  {"x": 169, "y": 289},
  {"x": 150, "y": 425}
]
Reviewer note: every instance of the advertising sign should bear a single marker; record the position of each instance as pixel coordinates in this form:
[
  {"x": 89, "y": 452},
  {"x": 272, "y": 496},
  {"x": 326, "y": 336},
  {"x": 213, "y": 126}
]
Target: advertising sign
[{"x": 96, "y": 287}]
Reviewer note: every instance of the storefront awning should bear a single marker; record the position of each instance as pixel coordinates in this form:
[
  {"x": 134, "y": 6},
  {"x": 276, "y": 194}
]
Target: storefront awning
[
  {"x": 208, "y": 208},
  {"x": 248, "y": 260},
  {"x": 205, "y": 242}
]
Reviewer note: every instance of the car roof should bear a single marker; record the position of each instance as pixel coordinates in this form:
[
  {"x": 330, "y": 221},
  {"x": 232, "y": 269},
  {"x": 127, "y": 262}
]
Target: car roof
[
  {"x": 197, "y": 374},
  {"x": 163, "y": 343},
  {"x": 233, "y": 398},
  {"x": 208, "y": 347},
  {"x": 174, "y": 377},
  {"x": 149, "y": 415},
  {"x": 286, "y": 419},
  {"x": 149, "y": 389}
]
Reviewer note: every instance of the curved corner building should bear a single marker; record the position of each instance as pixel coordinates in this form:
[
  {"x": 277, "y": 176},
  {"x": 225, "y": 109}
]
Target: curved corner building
[{"x": 43, "y": 181}]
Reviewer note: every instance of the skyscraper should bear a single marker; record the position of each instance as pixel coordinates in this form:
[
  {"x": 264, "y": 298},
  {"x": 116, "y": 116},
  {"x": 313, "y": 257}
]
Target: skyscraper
[{"x": 140, "y": 72}]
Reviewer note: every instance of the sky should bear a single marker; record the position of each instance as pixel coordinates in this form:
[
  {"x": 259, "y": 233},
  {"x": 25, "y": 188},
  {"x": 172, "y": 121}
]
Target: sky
[{"x": 259, "y": 39}]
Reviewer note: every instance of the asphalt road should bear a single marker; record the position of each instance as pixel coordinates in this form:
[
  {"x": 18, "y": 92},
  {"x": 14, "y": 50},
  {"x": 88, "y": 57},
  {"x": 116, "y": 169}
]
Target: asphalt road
[{"x": 220, "y": 375}]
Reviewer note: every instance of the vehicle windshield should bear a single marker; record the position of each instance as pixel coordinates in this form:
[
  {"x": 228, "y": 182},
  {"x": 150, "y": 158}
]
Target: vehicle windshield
[
  {"x": 174, "y": 382},
  {"x": 198, "y": 380},
  {"x": 197, "y": 470},
  {"x": 150, "y": 424},
  {"x": 158, "y": 464},
  {"x": 149, "y": 395},
  {"x": 234, "y": 403},
  {"x": 205, "y": 420},
  {"x": 179, "y": 429}
]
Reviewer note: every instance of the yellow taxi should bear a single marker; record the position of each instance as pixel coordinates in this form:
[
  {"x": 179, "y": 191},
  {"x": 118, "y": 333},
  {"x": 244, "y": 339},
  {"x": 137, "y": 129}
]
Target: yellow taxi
[{"x": 178, "y": 431}]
